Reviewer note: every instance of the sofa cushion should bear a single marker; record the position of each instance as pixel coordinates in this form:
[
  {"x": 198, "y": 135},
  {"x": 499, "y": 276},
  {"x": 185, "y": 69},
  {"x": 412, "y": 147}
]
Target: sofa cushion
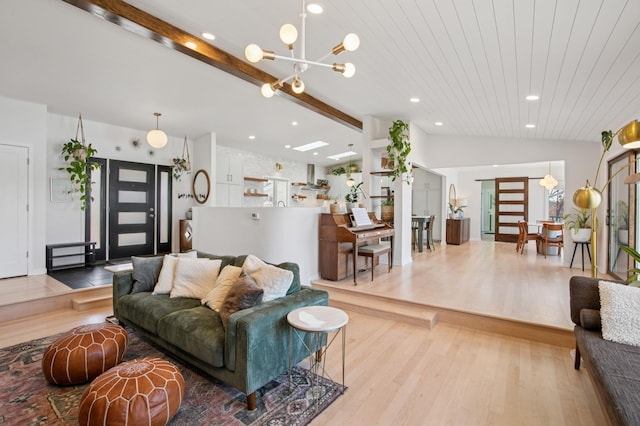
[
  {"x": 244, "y": 294},
  {"x": 613, "y": 367},
  {"x": 145, "y": 309},
  {"x": 227, "y": 277},
  {"x": 169, "y": 263},
  {"x": 197, "y": 331},
  {"x": 224, "y": 260},
  {"x": 145, "y": 272},
  {"x": 195, "y": 278},
  {"x": 620, "y": 313},
  {"x": 273, "y": 280}
]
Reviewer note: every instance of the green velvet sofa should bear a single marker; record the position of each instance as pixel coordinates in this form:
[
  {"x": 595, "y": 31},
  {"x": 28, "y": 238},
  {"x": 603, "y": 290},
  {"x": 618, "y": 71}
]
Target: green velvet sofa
[{"x": 254, "y": 348}]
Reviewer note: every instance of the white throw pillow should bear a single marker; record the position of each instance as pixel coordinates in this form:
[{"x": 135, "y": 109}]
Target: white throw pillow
[
  {"x": 188, "y": 254},
  {"x": 620, "y": 312},
  {"x": 273, "y": 280},
  {"x": 165, "y": 279},
  {"x": 195, "y": 277},
  {"x": 227, "y": 277}
]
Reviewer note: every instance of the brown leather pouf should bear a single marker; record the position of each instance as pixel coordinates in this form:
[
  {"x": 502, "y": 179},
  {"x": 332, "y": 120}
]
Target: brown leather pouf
[
  {"x": 84, "y": 353},
  {"x": 147, "y": 391}
]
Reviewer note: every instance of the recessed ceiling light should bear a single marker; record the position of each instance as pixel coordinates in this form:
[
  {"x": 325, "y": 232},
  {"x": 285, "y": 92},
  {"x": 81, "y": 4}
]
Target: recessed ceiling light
[
  {"x": 414, "y": 100},
  {"x": 310, "y": 146},
  {"x": 208, "y": 36},
  {"x": 294, "y": 123},
  {"x": 191, "y": 45},
  {"x": 252, "y": 137},
  {"x": 315, "y": 153},
  {"x": 314, "y": 8},
  {"x": 439, "y": 123},
  {"x": 532, "y": 97},
  {"x": 530, "y": 126},
  {"x": 287, "y": 146},
  {"x": 495, "y": 165},
  {"x": 342, "y": 155}
]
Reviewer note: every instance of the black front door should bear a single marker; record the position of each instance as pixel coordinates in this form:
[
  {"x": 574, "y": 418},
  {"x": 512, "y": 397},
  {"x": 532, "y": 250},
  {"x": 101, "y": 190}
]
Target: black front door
[{"x": 132, "y": 214}]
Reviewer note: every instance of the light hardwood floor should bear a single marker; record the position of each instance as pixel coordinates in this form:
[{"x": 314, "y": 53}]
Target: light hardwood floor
[{"x": 402, "y": 374}]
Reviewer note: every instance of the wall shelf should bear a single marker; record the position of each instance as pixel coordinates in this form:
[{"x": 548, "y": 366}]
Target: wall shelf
[
  {"x": 248, "y": 194},
  {"x": 382, "y": 173},
  {"x": 253, "y": 179}
]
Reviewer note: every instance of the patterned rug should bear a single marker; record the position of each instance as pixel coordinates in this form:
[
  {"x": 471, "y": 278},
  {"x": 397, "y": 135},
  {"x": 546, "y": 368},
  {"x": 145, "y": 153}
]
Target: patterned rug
[{"x": 26, "y": 398}]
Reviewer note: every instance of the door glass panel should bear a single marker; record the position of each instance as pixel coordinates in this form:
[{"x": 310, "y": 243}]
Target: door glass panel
[
  {"x": 163, "y": 207},
  {"x": 131, "y": 218},
  {"x": 133, "y": 239},
  {"x": 132, "y": 197},
  {"x": 618, "y": 218},
  {"x": 127, "y": 175},
  {"x": 96, "y": 206}
]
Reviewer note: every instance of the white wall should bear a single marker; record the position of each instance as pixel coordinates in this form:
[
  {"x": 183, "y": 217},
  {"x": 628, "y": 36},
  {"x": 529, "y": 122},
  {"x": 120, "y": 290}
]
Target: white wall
[{"x": 280, "y": 235}]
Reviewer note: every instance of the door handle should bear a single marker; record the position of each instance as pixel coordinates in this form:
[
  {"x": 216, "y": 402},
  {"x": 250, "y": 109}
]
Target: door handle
[{"x": 152, "y": 215}]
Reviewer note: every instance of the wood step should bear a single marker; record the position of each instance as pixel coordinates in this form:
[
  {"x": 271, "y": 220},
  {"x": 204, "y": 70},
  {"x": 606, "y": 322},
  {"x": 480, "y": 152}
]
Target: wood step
[
  {"x": 418, "y": 313},
  {"x": 381, "y": 307},
  {"x": 85, "y": 303}
]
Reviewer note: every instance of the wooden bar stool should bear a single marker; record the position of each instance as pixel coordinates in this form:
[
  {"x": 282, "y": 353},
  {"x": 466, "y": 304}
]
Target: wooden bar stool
[{"x": 374, "y": 251}]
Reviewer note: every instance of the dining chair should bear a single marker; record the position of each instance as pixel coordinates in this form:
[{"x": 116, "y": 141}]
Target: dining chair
[
  {"x": 430, "y": 245},
  {"x": 552, "y": 236},
  {"x": 524, "y": 236},
  {"x": 415, "y": 225}
]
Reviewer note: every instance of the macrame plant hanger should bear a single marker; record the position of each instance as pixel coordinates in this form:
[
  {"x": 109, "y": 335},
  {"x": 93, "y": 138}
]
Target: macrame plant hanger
[
  {"x": 80, "y": 129},
  {"x": 185, "y": 149}
]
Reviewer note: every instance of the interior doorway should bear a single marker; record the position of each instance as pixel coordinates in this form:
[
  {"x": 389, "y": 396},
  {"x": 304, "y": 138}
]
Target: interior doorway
[
  {"x": 487, "y": 210},
  {"x": 14, "y": 172}
]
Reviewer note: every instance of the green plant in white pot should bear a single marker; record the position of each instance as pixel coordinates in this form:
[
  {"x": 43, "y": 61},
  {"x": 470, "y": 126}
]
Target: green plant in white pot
[{"x": 577, "y": 223}]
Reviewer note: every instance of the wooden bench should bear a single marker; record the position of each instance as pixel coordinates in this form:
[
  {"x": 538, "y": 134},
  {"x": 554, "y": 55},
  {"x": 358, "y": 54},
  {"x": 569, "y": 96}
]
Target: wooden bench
[
  {"x": 374, "y": 251},
  {"x": 89, "y": 254}
]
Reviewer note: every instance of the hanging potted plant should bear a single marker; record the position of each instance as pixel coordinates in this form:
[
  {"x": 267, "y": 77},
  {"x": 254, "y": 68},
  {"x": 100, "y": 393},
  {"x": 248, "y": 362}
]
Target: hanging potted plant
[
  {"x": 181, "y": 164},
  {"x": 76, "y": 152},
  {"x": 398, "y": 150},
  {"x": 577, "y": 223}
]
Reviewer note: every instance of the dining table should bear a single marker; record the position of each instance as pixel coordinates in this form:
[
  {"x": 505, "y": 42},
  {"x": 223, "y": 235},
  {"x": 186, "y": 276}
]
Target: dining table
[{"x": 420, "y": 223}]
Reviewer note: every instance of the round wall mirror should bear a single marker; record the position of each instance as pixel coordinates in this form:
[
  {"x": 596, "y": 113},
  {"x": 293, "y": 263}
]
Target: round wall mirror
[
  {"x": 452, "y": 195},
  {"x": 201, "y": 186}
]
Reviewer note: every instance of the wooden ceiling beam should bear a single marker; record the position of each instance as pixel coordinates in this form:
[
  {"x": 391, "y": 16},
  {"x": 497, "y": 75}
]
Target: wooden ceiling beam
[{"x": 150, "y": 27}]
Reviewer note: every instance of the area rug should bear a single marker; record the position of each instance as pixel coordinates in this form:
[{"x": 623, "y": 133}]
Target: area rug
[{"x": 26, "y": 398}]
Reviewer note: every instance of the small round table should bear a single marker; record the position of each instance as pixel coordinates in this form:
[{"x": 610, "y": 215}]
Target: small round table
[{"x": 317, "y": 322}]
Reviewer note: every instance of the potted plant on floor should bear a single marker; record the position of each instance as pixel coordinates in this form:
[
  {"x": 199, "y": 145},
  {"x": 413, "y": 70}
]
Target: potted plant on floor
[
  {"x": 76, "y": 152},
  {"x": 577, "y": 223},
  {"x": 398, "y": 149}
]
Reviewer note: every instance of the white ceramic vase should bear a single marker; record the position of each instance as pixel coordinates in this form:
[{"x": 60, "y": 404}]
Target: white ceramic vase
[{"x": 581, "y": 236}]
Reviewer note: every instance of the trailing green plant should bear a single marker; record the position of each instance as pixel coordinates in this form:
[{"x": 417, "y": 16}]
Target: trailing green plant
[
  {"x": 179, "y": 166},
  {"x": 77, "y": 155},
  {"x": 398, "y": 150},
  {"x": 338, "y": 171},
  {"x": 354, "y": 193},
  {"x": 577, "y": 220}
]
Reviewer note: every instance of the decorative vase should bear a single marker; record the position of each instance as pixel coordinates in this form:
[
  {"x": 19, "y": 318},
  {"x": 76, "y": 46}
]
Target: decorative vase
[
  {"x": 334, "y": 208},
  {"x": 581, "y": 236}
]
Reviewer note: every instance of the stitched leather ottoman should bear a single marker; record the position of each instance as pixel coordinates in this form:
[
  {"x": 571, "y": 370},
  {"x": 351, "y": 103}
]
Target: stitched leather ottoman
[
  {"x": 84, "y": 353},
  {"x": 147, "y": 391}
]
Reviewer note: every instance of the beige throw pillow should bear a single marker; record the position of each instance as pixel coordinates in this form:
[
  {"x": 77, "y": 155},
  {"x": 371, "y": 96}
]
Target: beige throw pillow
[
  {"x": 273, "y": 280},
  {"x": 227, "y": 277},
  {"x": 165, "y": 279},
  {"x": 195, "y": 277},
  {"x": 620, "y": 312}
]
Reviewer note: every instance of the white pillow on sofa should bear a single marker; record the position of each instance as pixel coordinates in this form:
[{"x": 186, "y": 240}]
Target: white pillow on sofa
[
  {"x": 165, "y": 279},
  {"x": 620, "y": 312},
  {"x": 228, "y": 276},
  {"x": 195, "y": 277},
  {"x": 273, "y": 280}
]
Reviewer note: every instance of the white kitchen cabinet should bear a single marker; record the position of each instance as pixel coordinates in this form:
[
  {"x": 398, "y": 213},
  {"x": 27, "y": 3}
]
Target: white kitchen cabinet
[
  {"x": 229, "y": 170},
  {"x": 228, "y": 195}
]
